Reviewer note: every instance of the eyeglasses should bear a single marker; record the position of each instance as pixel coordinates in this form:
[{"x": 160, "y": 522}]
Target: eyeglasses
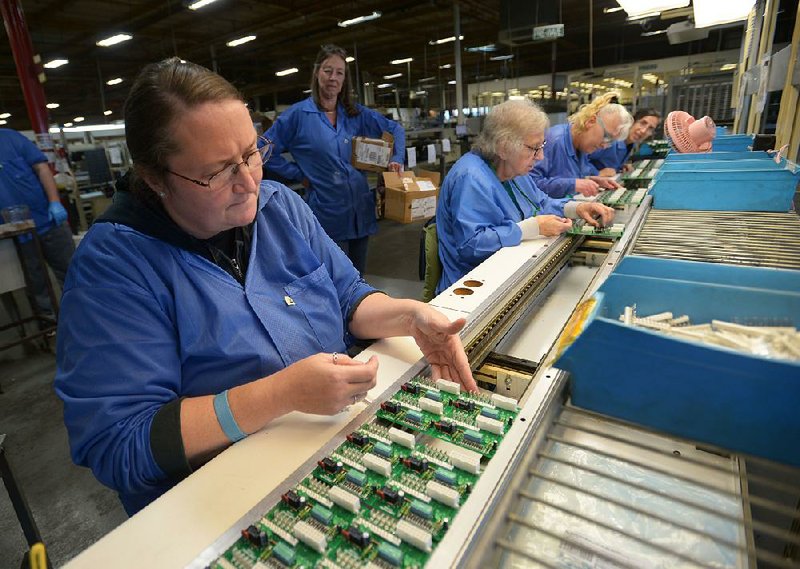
[
  {"x": 226, "y": 177},
  {"x": 535, "y": 149},
  {"x": 608, "y": 138}
]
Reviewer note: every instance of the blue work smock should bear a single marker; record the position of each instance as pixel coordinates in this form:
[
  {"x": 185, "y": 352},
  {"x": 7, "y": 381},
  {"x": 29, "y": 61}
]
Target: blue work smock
[
  {"x": 476, "y": 217},
  {"x": 338, "y": 194},
  {"x": 562, "y": 165},
  {"x": 19, "y": 183},
  {"x": 144, "y": 323},
  {"x": 614, "y": 156}
]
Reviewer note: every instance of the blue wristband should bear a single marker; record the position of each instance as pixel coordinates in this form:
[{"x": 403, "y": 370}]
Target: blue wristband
[{"x": 223, "y": 411}]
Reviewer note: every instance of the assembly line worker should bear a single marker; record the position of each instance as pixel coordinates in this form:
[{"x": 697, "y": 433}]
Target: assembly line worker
[
  {"x": 319, "y": 134},
  {"x": 26, "y": 179},
  {"x": 488, "y": 201},
  {"x": 609, "y": 161},
  {"x": 206, "y": 303},
  {"x": 565, "y": 169}
]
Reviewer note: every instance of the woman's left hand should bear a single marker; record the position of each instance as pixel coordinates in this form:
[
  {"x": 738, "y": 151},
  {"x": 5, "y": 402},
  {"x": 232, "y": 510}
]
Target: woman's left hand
[
  {"x": 395, "y": 167},
  {"x": 592, "y": 211},
  {"x": 438, "y": 339}
]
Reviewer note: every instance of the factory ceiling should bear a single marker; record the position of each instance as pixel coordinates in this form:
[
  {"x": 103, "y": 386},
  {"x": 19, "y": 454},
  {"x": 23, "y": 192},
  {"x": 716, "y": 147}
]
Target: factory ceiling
[{"x": 288, "y": 34}]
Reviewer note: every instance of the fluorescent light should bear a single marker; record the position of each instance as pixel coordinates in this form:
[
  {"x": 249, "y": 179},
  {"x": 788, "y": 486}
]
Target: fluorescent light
[
  {"x": 52, "y": 105},
  {"x": 107, "y": 112},
  {"x": 200, "y": 4},
  {"x": 360, "y": 19},
  {"x": 636, "y": 8},
  {"x": 399, "y": 61},
  {"x": 501, "y": 58},
  {"x": 655, "y": 33},
  {"x": 79, "y": 119},
  {"x": 516, "y": 97},
  {"x": 420, "y": 93},
  {"x": 393, "y": 76},
  {"x": 427, "y": 80},
  {"x": 5, "y": 115},
  {"x": 113, "y": 40},
  {"x": 307, "y": 91},
  {"x": 240, "y": 41},
  {"x": 612, "y": 10},
  {"x": 350, "y": 59},
  {"x": 115, "y": 81},
  {"x": 446, "y": 66},
  {"x": 445, "y": 40},
  {"x": 384, "y": 85},
  {"x": 642, "y": 16},
  {"x": 3, "y": 122},
  {"x": 715, "y": 13},
  {"x": 67, "y": 124},
  {"x": 286, "y": 72},
  {"x": 54, "y": 63},
  {"x": 453, "y": 82},
  {"x": 487, "y": 47},
  {"x": 728, "y": 67},
  {"x": 89, "y": 127}
]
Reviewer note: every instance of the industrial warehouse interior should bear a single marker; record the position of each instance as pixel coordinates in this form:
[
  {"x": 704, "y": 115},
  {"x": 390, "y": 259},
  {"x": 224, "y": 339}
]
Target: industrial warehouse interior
[{"x": 396, "y": 284}]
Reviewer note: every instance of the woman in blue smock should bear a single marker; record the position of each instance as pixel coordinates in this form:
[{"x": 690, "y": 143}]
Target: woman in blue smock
[
  {"x": 319, "y": 134},
  {"x": 206, "y": 303},
  {"x": 488, "y": 201},
  {"x": 565, "y": 169},
  {"x": 608, "y": 161}
]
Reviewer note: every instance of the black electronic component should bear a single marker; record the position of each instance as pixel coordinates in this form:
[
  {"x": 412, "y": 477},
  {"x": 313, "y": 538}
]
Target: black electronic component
[
  {"x": 293, "y": 500},
  {"x": 414, "y": 463},
  {"x": 446, "y": 427},
  {"x": 464, "y": 405},
  {"x": 255, "y": 536},
  {"x": 389, "y": 494},
  {"x": 411, "y": 388},
  {"x": 329, "y": 465},
  {"x": 357, "y": 537},
  {"x": 391, "y": 407},
  {"x": 358, "y": 439}
]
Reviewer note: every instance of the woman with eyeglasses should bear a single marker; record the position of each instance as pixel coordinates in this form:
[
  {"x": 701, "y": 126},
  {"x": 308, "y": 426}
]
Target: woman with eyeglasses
[
  {"x": 207, "y": 302},
  {"x": 609, "y": 161},
  {"x": 565, "y": 169},
  {"x": 488, "y": 201},
  {"x": 318, "y": 132}
]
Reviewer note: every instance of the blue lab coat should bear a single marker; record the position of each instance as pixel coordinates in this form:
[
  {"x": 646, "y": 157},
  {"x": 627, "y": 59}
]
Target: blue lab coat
[
  {"x": 614, "y": 156},
  {"x": 476, "y": 217},
  {"x": 562, "y": 165},
  {"x": 339, "y": 195},
  {"x": 144, "y": 322},
  {"x": 19, "y": 184}
]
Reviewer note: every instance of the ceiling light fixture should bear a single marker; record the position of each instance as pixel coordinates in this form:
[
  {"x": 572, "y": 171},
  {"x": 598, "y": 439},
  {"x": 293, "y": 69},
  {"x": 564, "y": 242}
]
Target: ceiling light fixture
[
  {"x": 79, "y": 119},
  {"x": 89, "y": 127},
  {"x": 393, "y": 76},
  {"x": 240, "y": 41},
  {"x": 485, "y": 48},
  {"x": 113, "y": 40},
  {"x": 115, "y": 81},
  {"x": 200, "y": 4},
  {"x": 286, "y": 72},
  {"x": 52, "y": 105},
  {"x": 5, "y": 115},
  {"x": 453, "y": 82},
  {"x": 446, "y": 66},
  {"x": 655, "y": 33},
  {"x": 67, "y": 124},
  {"x": 501, "y": 58},
  {"x": 54, "y": 63},
  {"x": 708, "y": 14},
  {"x": 3, "y": 122},
  {"x": 636, "y": 8},
  {"x": 360, "y": 19},
  {"x": 107, "y": 112},
  {"x": 444, "y": 40},
  {"x": 350, "y": 59},
  {"x": 728, "y": 67},
  {"x": 399, "y": 61},
  {"x": 384, "y": 85}
]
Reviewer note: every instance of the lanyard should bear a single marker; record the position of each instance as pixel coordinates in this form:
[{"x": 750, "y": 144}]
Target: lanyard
[{"x": 507, "y": 186}]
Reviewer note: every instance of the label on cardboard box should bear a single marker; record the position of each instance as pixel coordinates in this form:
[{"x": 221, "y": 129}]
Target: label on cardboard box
[
  {"x": 425, "y": 185},
  {"x": 374, "y": 153},
  {"x": 423, "y": 207}
]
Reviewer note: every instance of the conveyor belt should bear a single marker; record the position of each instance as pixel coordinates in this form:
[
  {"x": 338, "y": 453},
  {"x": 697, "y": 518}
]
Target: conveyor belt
[{"x": 733, "y": 237}]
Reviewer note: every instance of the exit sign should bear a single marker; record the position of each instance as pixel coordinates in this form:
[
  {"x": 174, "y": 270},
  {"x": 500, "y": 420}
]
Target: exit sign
[{"x": 548, "y": 32}]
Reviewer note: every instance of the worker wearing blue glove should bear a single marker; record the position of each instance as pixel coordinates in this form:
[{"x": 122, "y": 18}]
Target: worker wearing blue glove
[{"x": 25, "y": 178}]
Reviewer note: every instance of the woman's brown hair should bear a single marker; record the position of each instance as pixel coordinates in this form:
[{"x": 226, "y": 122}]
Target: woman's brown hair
[{"x": 325, "y": 52}]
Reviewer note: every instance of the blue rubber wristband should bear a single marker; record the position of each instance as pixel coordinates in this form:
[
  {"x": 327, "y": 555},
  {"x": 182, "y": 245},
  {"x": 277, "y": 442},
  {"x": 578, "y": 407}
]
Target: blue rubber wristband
[{"x": 223, "y": 411}]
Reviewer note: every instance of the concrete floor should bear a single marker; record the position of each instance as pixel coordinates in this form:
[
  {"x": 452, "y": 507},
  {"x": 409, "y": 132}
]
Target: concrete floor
[{"x": 72, "y": 509}]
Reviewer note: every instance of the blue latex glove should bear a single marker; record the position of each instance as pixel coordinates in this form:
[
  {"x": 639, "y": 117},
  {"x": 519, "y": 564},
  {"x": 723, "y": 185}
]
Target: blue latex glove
[{"x": 57, "y": 213}]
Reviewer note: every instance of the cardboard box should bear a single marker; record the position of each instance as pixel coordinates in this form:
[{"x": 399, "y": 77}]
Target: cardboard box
[
  {"x": 411, "y": 198},
  {"x": 372, "y": 153}
]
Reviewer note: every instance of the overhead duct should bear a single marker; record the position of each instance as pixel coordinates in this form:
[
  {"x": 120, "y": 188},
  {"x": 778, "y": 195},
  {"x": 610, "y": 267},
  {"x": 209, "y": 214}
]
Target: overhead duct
[{"x": 685, "y": 31}]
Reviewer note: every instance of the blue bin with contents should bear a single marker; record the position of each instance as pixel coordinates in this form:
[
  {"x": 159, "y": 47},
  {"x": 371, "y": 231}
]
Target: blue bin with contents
[
  {"x": 704, "y": 392},
  {"x": 714, "y": 156},
  {"x": 732, "y": 142},
  {"x": 715, "y": 187}
]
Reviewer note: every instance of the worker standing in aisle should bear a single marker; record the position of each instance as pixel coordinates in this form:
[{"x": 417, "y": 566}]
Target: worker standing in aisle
[
  {"x": 609, "y": 161},
  {"x": 26, "y": 179},
  {"x": 206, "y": 303},
  {"x": 319, "y": 134},
  {"x": 565, "y": 169}
]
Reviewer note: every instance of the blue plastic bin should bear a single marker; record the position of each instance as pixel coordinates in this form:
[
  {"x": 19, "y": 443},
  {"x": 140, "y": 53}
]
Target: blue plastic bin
[
  {"x": 699, "y": 165},
  {"x": 712, "y": 156},
  {"x": 701, "y": 392},
  {"x": 732, "y": 142}
]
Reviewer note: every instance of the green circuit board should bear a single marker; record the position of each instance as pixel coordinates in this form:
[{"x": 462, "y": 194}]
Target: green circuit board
[
  {"x": 620, "y": 198},
  {"x": 384, "y": 498},
  {"x": 581, "y": 228}
]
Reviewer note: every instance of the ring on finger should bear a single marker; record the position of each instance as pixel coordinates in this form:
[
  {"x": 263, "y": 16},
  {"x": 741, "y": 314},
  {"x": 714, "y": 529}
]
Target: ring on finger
[{"x": 335, "y": 358}]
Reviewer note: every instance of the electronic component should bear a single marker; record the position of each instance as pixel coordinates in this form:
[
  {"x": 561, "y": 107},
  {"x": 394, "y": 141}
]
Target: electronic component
[
  {"x": 311, "y": 536},
  {"x": 390, "y": 495},
  {"x": 446, "y": 476},
  {"x": 411, "y": 388},
  {"x": 377, "y": 464},
  {"x": 415, "y": 536},
  {"x": 473, "y": 436},
  {"x": 431, "y": 406},
  {"x": 490, "y": 412},
  {"x": 356, "y": 536},
  {"x": 421, "y": 509},
  {"x": 433, "y": 395},
  {"x": 356, "y": 477},
  {"x": 382, "y": 449},
  {"x": 487, "y": 424},
  {"x": 329, "y": 465},
  {"x": 255, "y": 536},
  {"x": 359, "y": 439},
  {"x": 402, "y": 438},
  {"x": 390, "y": 406},
  {"x": 322, "y": 514},
  {"x": 284, "y": 553},
  {"x": 414, "y": 417},
  {"x": 466, "y": 460},
  {"x": 464, "y": 404},
  {"x": 448, "y": 386},
  {"x": 504, "y": 402},
  {"x": 344, "y": 499},
  {"x": 223, "y": 563},
  {"x": 416, "y": 464},
  {"x": 442, "y": 494},
  {"x": 293, "y": 500},
  {"x": 446, "y": 427},
  {"x": 391, "y": 554}
]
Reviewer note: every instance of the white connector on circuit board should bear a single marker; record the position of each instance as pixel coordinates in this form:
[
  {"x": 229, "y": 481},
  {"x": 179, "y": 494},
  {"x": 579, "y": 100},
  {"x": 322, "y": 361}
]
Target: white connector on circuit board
[
  {"x": 377, "y": 464},
  {"x": 431, "y": 406},
  {"x": 344, "y": 499},
  {"x": 504, "y": 402},
  {"x": 442, "y": 494},
  {"x": 402, "y": 438},
  {"x": 311, "y": 536},
  {"x": 448, "y": 386},
  {"x": 415, "y": 536}
]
